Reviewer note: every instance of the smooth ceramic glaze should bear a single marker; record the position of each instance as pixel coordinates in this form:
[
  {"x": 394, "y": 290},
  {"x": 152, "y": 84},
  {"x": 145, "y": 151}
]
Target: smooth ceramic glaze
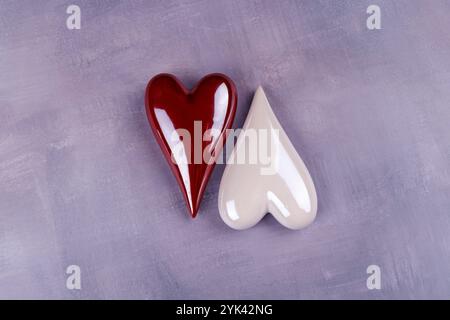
[
  {"x": 170, "y": 107},
  {"x": 249, "y": 191}
]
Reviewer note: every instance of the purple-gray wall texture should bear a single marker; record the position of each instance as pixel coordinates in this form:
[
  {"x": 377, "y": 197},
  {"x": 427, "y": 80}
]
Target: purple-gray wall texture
[{"x": 83, "y": 181}]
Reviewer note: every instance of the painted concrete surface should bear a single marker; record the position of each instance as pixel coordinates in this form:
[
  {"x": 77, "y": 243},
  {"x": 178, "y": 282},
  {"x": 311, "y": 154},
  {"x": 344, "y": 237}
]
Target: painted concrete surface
[{"x": 82, "y": 180}]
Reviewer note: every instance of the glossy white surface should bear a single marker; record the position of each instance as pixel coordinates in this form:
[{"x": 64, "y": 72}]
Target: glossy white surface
[{"x": 284, "y": 188}]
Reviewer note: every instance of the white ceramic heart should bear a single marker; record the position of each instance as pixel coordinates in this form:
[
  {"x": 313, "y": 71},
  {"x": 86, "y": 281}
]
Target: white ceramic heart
[{"x": 284, "y": 188}]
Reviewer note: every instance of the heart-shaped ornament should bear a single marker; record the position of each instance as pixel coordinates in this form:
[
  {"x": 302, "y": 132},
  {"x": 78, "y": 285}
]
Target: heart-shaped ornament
[
  {"x": 190, "y": 127},
  {"x": 281, "y": 184}
]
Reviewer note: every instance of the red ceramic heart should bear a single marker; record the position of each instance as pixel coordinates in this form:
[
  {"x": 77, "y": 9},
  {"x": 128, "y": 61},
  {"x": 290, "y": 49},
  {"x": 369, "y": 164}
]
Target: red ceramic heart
[{"x": 181, "y": 119}]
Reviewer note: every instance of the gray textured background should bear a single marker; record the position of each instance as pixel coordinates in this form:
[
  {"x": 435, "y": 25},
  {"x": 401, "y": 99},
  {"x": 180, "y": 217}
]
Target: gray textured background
[{"x": 82, "y": 180}]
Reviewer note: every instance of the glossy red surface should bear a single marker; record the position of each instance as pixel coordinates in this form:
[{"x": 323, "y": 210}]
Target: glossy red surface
[{"x": 188, "y": 123}]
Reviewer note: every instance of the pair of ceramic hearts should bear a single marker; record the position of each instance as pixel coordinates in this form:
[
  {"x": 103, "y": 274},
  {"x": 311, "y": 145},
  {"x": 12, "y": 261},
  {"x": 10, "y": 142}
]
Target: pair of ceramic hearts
[{"x": 191, "y": 128}]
